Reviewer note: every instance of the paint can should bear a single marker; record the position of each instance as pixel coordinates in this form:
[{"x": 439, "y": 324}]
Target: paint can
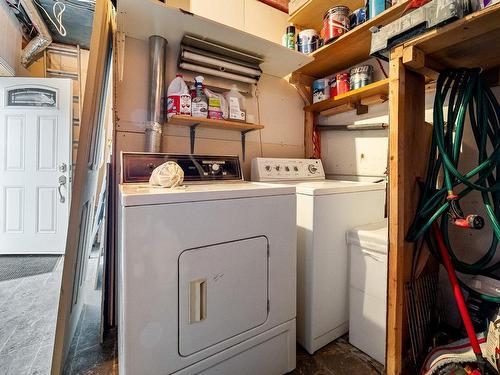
[
  {"x": 307, "y": 41},
  {"x": 333, "y": 86},
  {"x": 361, "y": 76},
  {"x": 335, "y": 22},
  {"x": 321, "y": 90},
  {"x": 357, "y": 17},
  {"x": 342, "y": 81}
]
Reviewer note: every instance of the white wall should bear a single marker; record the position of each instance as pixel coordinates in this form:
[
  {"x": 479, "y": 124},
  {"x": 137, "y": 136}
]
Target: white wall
[
  {"x": 276, "y": 105},
  {"x": 10, "y": 39}
]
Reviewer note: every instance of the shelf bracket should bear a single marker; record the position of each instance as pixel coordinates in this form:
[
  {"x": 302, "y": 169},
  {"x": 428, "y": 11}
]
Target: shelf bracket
[
  {"x": 192, "y": 136},
  {"x": 243, "y": 142}
]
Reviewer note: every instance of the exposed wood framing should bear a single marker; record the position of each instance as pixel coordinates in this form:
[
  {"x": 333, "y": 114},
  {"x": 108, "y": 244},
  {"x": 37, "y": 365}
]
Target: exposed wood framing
[
  {"x": 303, "y": 84},
  {"x": 409, "y": 139}
]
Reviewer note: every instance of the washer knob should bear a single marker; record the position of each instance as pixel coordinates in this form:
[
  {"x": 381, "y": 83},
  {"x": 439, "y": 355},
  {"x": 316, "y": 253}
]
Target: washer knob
[
  {"x": 296, "y": 169},
  {"x": 287, "y": 168},
  {"x": 277, "y": 167},
  {"x": 215, "y": 167},
  {"x": 312, "y": 168},
  {"x": 267, "y": 168}
]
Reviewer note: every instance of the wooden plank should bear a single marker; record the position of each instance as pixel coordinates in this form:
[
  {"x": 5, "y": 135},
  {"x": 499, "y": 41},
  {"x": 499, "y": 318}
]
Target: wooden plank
[
  {"x": 374, "y": 99},
  {"x": 351, "y": 48},
  {"x": 308, "y": 134},
  {"x": 409, "y": 140},
  {"x": 345, "y": 107},
  {"x": 310, "y": 15},
  {"x": 375, "y": 88},
  {"x": 85, "y": 184},
  {"x": 468, "y": 42},
  {"x": 212, "y": 123}
]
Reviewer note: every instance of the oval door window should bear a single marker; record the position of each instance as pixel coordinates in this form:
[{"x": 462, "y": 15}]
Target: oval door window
[{"x": 31, "y": 97}]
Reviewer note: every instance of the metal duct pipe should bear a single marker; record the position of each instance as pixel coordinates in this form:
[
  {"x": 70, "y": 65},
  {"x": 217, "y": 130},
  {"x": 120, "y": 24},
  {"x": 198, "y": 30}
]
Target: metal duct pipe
[
  {"x": 41, "y": 41},
  {"x": 156, "y": 100}
]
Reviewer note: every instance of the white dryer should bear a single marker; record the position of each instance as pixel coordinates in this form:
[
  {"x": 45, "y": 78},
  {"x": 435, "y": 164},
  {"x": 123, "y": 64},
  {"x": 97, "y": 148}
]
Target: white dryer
[
  {"x": 326, "y": 210},
  {"x": 207, "y": 272}
]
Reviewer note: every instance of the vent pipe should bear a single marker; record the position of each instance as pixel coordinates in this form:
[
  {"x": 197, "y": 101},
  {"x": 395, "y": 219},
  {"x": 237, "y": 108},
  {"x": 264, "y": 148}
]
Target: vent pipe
[
  {"x": 41, "y": 41},
  {"x": 156, "y": 100}
]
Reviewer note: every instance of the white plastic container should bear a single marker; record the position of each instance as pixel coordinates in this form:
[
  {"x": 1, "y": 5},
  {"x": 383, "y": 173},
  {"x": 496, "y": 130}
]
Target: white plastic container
[
  {"x": 236, "y": 103},
  {"x": 178, "y": 98},
  {"x": 368, "y": 288}
]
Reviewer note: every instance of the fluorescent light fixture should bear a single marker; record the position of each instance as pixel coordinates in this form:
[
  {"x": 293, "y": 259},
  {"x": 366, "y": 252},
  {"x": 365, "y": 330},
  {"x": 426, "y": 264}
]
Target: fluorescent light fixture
[
  {"x": 215, "y": 72},
  {"x": 220, "y": 64}
]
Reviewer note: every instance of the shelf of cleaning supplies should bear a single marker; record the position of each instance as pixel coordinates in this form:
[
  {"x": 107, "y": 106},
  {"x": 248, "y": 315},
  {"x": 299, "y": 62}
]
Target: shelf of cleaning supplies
[
  {"x": 141, "y": 19},
  {"x": 376, "y": 92},
  {"x": 195, "y": 122},
  {"x": 310, "y": 15},
  {"x": 349, "y": 49}
]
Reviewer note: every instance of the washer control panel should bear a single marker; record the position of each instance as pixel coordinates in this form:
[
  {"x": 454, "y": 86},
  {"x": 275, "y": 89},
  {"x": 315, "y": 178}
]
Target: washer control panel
[{"x": 278, "y": 169}]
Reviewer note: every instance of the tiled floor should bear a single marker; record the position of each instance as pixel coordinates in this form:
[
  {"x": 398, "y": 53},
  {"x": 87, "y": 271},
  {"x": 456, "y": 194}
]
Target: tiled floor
[{"x": 28, "y": 308}]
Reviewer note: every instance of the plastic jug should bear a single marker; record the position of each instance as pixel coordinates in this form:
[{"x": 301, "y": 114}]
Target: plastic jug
[
  {"x": 236, "y": 103},
  {"x": 178, "y": 98}
]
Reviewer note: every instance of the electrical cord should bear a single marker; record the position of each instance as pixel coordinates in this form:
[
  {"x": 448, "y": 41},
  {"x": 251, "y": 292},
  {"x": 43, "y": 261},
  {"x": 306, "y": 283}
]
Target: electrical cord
[{"x": 464, "y": 92}]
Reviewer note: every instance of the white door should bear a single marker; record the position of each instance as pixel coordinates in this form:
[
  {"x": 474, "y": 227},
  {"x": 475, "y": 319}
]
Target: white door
[{"x": 35, "y": 164}]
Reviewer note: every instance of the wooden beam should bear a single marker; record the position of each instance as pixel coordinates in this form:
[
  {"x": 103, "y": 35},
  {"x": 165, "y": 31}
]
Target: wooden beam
[
  {"x": 417, "y": 61},
  {"x": 409, "y": 140},
  {"x": 346, "y": 107},
  {"x": 308, "y": 134}
]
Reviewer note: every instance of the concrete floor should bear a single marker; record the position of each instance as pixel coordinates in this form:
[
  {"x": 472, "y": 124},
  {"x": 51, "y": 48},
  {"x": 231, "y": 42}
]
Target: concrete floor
[{"x": 28, "y": 311}]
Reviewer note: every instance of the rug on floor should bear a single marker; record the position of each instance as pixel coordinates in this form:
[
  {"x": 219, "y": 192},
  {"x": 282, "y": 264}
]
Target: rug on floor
[{"x": 17, "y": 266}]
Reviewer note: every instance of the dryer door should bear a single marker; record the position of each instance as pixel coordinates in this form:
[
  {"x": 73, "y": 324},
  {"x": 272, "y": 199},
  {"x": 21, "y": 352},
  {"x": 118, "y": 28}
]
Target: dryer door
[{"x": 223, "y": 291}]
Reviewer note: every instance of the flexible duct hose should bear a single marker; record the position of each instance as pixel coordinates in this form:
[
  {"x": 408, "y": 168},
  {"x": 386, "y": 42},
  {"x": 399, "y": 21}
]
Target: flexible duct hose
[{"x": 463, "y": 91}]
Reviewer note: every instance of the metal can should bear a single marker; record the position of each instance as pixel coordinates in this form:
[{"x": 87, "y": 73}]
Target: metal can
[
  {"x": 321, "y": 90},
  {"x": 335, "y": 22},
  {"x": 357, "y": 17},
  {"x": 307, "y": 41},
  {"x": 342, "y": 80},
  {"x": 361, "y": 76}
]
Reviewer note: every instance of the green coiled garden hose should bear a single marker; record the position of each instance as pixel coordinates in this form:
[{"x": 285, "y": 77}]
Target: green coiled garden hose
[{"x": 464, "y": 92}]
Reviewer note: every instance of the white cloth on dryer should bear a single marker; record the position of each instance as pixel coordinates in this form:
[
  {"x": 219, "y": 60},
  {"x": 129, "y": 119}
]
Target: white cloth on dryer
[{"x": 169, "y": 175}]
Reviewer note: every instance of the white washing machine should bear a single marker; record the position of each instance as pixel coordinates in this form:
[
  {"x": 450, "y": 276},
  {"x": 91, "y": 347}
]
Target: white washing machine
[
  {"x": 206, "y": 272},
  {"x": 326, "y": 210}
]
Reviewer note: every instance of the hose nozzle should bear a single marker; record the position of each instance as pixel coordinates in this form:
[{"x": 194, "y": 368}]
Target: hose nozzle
[{"x": 471, "y": 222}]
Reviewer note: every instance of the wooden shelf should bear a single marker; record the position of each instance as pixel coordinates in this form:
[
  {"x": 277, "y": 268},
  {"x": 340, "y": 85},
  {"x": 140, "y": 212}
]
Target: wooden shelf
[
  {"x": 469, "y": 42},
  {"x": 351, "y": 48},
  {"x": 211, "y": 123},
  {"x": 195, "y": 122},
  {"x": 352, "y": 99},
  {"x": 140, "y": 19},
  {"x": 310, "y": 15}
]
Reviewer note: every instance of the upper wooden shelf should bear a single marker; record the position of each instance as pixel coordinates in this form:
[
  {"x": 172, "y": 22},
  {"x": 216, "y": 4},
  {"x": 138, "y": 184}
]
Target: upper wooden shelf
[
  {"x": 375, "y": 92},
  {"x": 211, "y": 123},
  {"x": 473, "y": 41},
  {"x": 351, "y": 48},
  {"x": 310, "y": 15},
  {"x": 141, "y": 19}
]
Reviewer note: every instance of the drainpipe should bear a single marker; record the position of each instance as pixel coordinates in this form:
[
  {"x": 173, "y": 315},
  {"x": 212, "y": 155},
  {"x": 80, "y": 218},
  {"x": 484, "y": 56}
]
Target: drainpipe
[
  {"x": 41, "y": 41},
  {"x": 156, "y": 100}
]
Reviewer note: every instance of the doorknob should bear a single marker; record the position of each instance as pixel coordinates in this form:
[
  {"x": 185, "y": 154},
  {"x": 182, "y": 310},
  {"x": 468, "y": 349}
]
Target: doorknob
[{"x": 62, "y": 182}]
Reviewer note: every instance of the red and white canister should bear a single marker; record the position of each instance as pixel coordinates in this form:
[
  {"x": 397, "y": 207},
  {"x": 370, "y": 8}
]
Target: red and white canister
[{"x": 335, "y": 22}]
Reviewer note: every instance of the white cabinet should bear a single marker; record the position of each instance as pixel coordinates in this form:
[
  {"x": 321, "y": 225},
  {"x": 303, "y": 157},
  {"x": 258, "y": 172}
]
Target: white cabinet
[
  {"x": 227, "y": 12},
  {"x": 265, "y": 21}
]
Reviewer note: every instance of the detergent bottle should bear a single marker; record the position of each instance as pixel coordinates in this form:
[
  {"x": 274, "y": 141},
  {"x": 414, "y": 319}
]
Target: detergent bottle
[{"x": 178, "y": 98}]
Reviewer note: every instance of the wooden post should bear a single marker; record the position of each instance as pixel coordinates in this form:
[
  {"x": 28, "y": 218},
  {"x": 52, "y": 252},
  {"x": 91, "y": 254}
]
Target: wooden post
[
  {"x": 308, "y": 134},
  {"x": 409, "y": 139}
]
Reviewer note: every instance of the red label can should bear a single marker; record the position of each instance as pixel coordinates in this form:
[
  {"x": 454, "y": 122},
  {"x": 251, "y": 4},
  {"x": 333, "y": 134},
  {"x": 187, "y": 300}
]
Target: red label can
[
  {"x": 342, "y": 80},
  {"x": 335, "y": 22}
]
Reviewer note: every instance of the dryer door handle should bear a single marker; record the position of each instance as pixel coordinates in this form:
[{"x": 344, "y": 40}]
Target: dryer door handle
[{"x": 197, "y": 300}]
